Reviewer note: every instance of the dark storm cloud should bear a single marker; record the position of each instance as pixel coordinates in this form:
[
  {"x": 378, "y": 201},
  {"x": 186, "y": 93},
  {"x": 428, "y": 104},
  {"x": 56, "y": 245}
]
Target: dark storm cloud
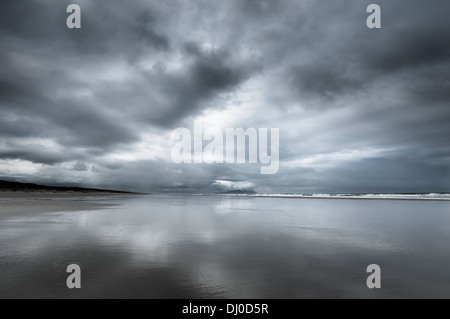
[
  {"x": 260, "y": 9},
  {"x": 29, "y": 88},
  {"x": 144, "y": 29},
  {"x": 407, "y": 173},
  {"x": 359, "y": 56},
  {"x": 66, "y": 121},
  {"x": 96, "y": 105},
  {"x": 22, "y": 128},
  {"x": 35, "y": 154},
  {"x": 325, "y": 81},
  {"x": 88, "y": 127},
  {"x": 107, "y": 26},
  {"x": 407, "y": 47},
  {"x": 208, "y": 74}
]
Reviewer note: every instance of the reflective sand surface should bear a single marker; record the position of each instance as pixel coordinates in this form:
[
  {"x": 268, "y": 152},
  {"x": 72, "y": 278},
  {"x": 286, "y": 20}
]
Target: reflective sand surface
[{"x": 163, "y": 246}]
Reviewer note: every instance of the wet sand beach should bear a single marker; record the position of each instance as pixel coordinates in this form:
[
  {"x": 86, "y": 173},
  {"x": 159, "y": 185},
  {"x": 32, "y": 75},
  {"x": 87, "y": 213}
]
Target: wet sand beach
[
  {"x": 19, "y": 203},
  {"x": 167, "y": 246}
]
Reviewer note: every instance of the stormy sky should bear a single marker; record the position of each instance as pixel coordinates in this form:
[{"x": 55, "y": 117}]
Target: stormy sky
[{"x": 358, "y": 109}]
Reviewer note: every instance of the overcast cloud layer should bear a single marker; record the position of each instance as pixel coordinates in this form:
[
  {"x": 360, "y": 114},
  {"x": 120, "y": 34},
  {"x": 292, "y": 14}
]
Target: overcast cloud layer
[{"x": 358, "y": 110}]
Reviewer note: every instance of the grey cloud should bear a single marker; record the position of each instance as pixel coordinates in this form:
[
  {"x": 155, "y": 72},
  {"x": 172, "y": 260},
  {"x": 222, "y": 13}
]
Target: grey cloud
[
  {"x": 65, "y": 121},
  {"x": 35, "y": 154},
  {"x": 93, "y": 129},
  {"x": 106, "y": 26},
  {"x": 145, "y": 24},
  {"x": 80, "y": 167},
  {"x": 207, "y": 75},
  {"x": 322, "y": 80},
  {"x": 357, "y": 57},
  {"x": 140, "y": 68},
  {"x": 261, "y": 8},
  {"x": 22, "y": 127},
  {"x": 407, "y": 174},
  {"x": 407, "y": 47}
]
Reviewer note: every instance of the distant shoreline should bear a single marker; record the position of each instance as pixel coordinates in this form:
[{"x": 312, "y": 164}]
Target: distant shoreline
[
  {"x": 24, "y": 190},
  {"x": 12, "y": 187},
  {"x": 53, "y": 194},
  {"x": 417, "y": 197}
]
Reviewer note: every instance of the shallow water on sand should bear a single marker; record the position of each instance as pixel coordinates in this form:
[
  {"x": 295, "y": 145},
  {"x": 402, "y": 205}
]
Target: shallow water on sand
[{"x": 162, "y": 246}]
